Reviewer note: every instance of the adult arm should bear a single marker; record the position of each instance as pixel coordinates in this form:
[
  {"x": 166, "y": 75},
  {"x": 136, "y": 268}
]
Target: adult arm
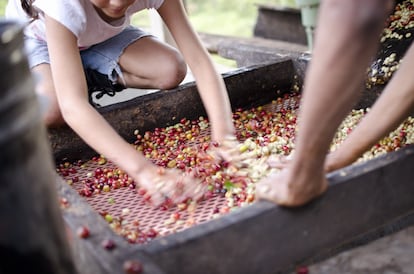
[
  {"x": 71, "y": 91},
  {"x": 391, "y": 109},
  {"x": 346, "y": 40}
]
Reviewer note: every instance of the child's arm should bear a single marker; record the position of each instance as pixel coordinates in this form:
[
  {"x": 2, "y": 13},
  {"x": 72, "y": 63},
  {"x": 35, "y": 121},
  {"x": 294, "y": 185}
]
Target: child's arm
[
  {"x": 210, "y": 84},
  {"x": 71, "y": 91},
  {"x": 391, "y": 109}
]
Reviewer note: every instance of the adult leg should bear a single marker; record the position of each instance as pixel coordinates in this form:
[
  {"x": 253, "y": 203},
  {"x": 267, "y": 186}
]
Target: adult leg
[{"x": 149, "y": 63}]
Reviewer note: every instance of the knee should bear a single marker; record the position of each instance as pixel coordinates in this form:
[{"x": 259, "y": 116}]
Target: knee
[
  {"x": 50, "y": 111},
  {"x": 52, "y": 116},
  {"x": 45, "y": 91},
  {"x": 172, "y": 71}
]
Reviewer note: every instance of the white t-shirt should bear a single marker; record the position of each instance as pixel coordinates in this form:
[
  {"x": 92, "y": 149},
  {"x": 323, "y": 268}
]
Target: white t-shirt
[{"x": 79, "y": 16}]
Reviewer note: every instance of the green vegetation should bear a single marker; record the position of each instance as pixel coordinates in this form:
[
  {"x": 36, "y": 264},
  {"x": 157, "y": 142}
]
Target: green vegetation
[
  {"x": 2, "y": 7},
  {"x": 224, "y": 17},
  {"x": 217, "y": 17}
]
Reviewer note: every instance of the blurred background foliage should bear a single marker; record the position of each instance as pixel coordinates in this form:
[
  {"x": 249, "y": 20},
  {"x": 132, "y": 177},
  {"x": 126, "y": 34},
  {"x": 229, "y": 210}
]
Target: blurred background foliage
[
  {"x": 222, "y": 17},
  {"x": 225, "y": 17},
  {"x": 2, "y": 6}
]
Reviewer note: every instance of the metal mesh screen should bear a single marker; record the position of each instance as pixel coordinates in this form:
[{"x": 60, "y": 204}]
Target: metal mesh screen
[{"x": 137, "y": 220}]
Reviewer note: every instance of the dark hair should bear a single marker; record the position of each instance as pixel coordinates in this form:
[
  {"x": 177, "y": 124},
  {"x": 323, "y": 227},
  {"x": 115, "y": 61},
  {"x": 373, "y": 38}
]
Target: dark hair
[{"x": 29, "y": 9}]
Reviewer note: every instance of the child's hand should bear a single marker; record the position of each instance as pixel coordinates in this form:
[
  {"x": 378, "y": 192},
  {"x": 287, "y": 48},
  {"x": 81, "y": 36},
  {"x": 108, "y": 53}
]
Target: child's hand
[
  {"x": 227, "y": 150},
  {"x": 163, "y": 184}
]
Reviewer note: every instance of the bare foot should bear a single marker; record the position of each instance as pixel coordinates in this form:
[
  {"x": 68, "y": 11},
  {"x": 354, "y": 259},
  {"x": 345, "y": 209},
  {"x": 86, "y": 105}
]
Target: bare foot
[
  {"x": 279, "y": 161},
  {"x": 291, "y": 189}
]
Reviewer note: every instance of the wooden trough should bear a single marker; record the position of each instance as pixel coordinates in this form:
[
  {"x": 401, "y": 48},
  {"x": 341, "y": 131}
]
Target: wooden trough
[
  {"x": 364, "y": 201},
  {"x": 279, "y": 23}
]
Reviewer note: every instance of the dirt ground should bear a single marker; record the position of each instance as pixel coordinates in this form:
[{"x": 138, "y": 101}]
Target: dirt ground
[{"x": 393, "y": 254}]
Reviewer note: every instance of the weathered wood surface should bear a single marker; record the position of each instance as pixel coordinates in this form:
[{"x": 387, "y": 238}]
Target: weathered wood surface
[
  {"x": 251, "y": 51},
  {"x": 280, "y": 23},
  {"x": 213, "y": 43}
]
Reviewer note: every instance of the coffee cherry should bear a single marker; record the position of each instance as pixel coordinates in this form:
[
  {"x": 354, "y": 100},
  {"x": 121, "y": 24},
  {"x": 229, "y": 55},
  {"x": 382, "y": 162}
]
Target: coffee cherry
[
  {"x": 83, "y": 232},
  {"x": 108, "y": 244},
  {"x": 132, "y": 267},
  {"x": 302, "y": 270}
]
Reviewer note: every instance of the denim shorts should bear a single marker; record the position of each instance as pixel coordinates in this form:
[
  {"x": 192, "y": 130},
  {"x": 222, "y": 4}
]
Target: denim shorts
[{"x": 102, "y": 57}]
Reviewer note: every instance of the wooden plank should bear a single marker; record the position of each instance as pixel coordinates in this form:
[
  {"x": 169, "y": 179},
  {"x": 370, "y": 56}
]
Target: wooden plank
[
  {"x": 251, "y": 51},
  {"x": 213, "y": 42}
]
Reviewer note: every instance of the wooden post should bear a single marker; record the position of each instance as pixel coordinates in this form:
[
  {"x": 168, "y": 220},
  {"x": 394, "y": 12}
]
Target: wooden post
[{"x": 32, "y": 232}]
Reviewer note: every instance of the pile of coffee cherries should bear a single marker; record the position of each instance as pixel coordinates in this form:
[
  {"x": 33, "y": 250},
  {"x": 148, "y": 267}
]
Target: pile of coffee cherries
[
  {"x": 399, "y": 30},
  {"x": 400, "y": 137},
  {"x": 399, "y": 22},
  {"x": 261, "y": 131}
]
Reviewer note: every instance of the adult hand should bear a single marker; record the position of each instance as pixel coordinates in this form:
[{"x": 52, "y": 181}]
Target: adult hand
[
  {"x": 162, "y": 184},
  {"x": 340, "y": 158}
]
